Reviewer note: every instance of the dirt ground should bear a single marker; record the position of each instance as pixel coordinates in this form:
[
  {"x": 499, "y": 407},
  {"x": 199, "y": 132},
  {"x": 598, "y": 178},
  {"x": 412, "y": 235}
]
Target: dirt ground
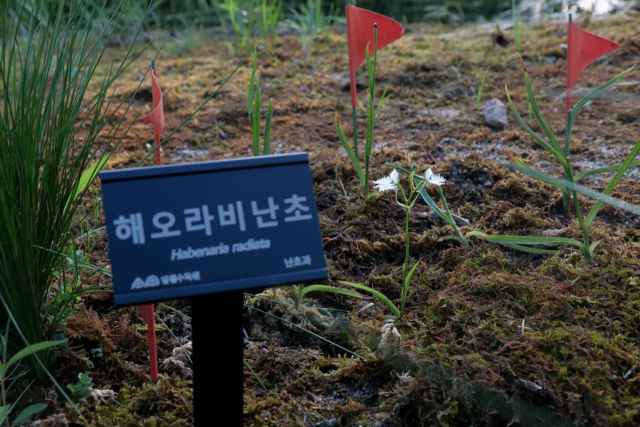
[{"x": 463, "y": 358}]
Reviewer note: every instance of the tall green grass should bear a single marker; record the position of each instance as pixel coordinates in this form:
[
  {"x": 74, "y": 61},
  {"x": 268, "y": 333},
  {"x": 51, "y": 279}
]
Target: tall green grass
[{"x": 51, "y": 132}]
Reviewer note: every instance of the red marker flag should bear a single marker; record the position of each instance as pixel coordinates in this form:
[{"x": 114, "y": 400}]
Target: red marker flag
[
  {"x": 582, "y": 49},
  {"x": 156, "y": 116},
  {"x": 360, "y": 34}
]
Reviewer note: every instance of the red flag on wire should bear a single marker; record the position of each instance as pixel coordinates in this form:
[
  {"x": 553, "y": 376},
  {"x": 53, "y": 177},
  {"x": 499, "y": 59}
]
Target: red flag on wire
[
  {"x": 360, "y": 34},
  {"x": 156, "y": 116},
  {"x": 582, "y": 49}
]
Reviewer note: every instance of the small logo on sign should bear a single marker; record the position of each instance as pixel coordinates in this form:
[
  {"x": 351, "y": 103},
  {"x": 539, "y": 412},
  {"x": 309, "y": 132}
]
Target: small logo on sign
[
  {"x": 152, "y": 281},
  {"x": 138, "y": 283}
]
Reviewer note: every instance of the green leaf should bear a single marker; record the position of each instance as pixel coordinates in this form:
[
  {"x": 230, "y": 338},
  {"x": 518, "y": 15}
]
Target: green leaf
[
  {"x": 598, "y": 171},
  {"x": 29, "y": 411},
  {"x": 349, "y": 151},
  {"x": 579, "y": 188},
  {"x": 251, "y": 83},
  {"x": 612, "y": 184},
  {"x": 575, "y": 110},
  {"x": 531, "y": 250},
  {"x": 536, "y": 112},
  {"x": 380, "y": 296},
  {"x": 87, "y": 178},
  {"x": 267, "y": 130},
  {"x": 31, "y": 349},
  {"x": 413, "y": 270},
  {"x": 4, "y": 411},
  {"x": 333, "y": 289},
  {"x": 534, "y": 135},
  {"x": 256, "y": 121},
  {"x": 525, "y": 240},
  {"x": 523, "y": 168},
  {"x": 593, "y": 246}
]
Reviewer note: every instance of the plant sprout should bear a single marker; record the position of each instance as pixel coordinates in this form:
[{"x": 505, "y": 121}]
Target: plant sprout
[
  {"x": 364, "y": 174},
  {"x": 568, "y": 186},
  {"x": 480, "y": 90},
  {"x": 517, "y": 24},
  {"x": 254, "y": 114}
]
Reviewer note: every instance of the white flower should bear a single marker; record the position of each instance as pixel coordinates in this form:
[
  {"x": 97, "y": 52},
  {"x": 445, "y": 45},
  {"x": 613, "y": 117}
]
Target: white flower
[
  {"x": 432, "y": 178},
  {"x": 388, "y": 182},
  {"x": 390, "y": 336}
]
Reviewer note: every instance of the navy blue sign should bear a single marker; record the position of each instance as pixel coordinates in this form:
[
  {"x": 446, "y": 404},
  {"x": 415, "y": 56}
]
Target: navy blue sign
[{"x": 183, "y": 230}]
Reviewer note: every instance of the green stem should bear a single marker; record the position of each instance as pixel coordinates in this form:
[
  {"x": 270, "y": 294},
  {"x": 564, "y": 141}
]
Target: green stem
[
  {"x": 584, "y": 228},
  {"x": 405, "y": 285},
  {"x": 355, "y": 131}
]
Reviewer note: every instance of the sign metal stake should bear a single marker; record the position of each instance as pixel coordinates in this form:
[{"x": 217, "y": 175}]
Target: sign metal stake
[{"x": 217, "y": 359}]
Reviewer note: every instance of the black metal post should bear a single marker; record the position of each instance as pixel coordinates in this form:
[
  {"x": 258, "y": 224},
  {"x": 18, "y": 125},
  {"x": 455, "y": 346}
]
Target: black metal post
[{"x": 217, "y": 359}]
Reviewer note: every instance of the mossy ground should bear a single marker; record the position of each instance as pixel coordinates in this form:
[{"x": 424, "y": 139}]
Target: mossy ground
[{"x": 463, "y": 359}]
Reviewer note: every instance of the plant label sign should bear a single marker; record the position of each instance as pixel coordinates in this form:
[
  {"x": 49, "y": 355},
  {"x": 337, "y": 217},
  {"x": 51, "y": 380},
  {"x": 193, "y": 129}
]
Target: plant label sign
[{"x": 179, "y": 231}]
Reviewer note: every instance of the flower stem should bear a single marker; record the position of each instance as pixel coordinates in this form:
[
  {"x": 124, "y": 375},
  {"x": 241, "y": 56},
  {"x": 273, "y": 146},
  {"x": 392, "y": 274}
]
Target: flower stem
[{"x": 405, "y": 285}]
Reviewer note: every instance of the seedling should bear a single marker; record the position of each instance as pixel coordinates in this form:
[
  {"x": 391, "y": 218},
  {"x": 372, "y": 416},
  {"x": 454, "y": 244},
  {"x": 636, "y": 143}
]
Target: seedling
[
  {"x": 254, "y": 114},
  {"x": 80, "y": 390},
  {"x": 568, "y": 186},
  {"x": 309, "y": 22},
  {"x": 517, "y": 24},
  {"x": 271, "y": 14},
  {"x": 480, "y": 90}
]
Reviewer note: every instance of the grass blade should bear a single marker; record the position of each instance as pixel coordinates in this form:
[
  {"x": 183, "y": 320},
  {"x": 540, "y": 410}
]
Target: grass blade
[
  {"x": 525, "y": 240},
  {"x": 378, "y": 294},
  {"x": 534, "y": 135},
  {"x": 349, "y": 151},
  {"x": 612, "y": 184},
  {"x": 267, "y": 131},
  {"x": 333, "y": 289},
  {"x": 598, "y": 171}
]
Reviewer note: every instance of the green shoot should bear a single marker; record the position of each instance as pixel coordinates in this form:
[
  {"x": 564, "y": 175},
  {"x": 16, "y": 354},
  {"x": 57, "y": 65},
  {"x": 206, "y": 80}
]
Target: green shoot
[
  {"x": 517, "y": 24},
  {"x": 309, "y": 22},
  {"x": 568, "y": 185},
  {"x": 363, "y": 175},
  {"x": 254, "y": 114},
  {"x": 480, "y": 91}
]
